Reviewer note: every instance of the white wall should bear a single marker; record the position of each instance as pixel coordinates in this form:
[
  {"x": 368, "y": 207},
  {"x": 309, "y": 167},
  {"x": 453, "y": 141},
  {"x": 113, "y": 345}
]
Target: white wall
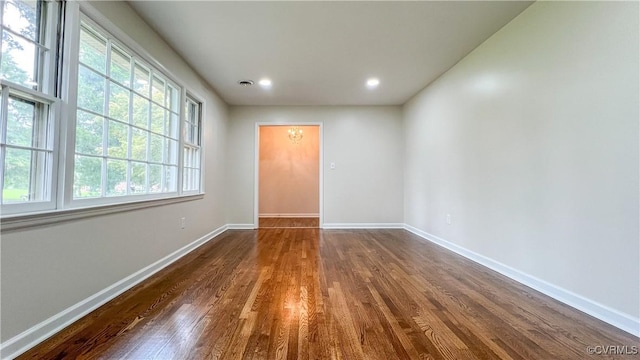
[
  {"x": 531, "y": 144},
  {"x": 46, "y": 270},
  {"x": 365, "y": 142}
]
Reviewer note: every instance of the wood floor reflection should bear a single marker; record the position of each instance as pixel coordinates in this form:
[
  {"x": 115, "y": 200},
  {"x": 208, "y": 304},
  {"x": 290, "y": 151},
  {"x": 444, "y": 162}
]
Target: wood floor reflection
[
  {"x": 332, "y": 294},
  {"x": 288, "y": 222}
]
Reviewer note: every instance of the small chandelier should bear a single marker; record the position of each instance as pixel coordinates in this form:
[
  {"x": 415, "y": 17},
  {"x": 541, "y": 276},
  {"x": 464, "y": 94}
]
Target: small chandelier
[{"x": 295, "y": 134}]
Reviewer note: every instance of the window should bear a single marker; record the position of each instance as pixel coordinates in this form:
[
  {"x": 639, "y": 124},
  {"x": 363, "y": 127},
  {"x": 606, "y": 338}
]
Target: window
[
  {"x": 28, "y": 104},
  {"x": 127, "y": 122},
  {"x": 95, "y": 112},
  {"x": 192, "y": 153}
]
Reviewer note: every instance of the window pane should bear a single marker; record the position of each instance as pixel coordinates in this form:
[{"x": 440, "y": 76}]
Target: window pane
[
  {"x": 157, "y": 91},
  {"x": 157, "y": 118},
  {"x": 193, "y": 113},
  {"x": 191, "y": 126},
  {"x": 172, "y": 125},
  {"x": 87, "y": 177},
  {"x": 139, "y": 144},
  {"x": 138, "y": 178},
  {"x": 118, "y": 139},
  {"x": 119, "y": 102},
  {"x": 186, "y": 157},
  {"x": 194, "y": 180},
  {"x": 196, "y": 135},
  {"x": 93, "y": 50},
  {"x": 172, "y": 151},
  {"x": 170, "y": 178},
  {"x": 193, "y": 134},
  {"x": 22, "y": 17},
  {"x": 155, "y": 178},
  {"x": 185, "y": 178},
  {"x": 157, "y": 143},
  {"x": 191, "y": 157},
  {"x": 195, "y": 159},
  {"x": 140, "y": 111},
  {"x": 90, "y": 90},
  {"x": 89, "y": 129},
  {"x": 19, "y": 61},
  {"x": 27, "y": 123},
  {"x": 120, "y": 66},
  {"x": 17, "y": 175},
  {"x": 189, "y": 179},
  {"x": 25, "y": 175},
  {"x": 20, "y": 116},
  {"x": 188, "y": 133},
  {"x": 173, "y": 96},
  {"x": 141, "y": 80},
  {"x": 116, "y": 177}
]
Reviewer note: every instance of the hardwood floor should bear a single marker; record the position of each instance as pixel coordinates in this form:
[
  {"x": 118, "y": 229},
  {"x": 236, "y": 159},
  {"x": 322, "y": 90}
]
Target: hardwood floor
[
  {"x": 285, "y": 222},
  {"x": 329, "y": 294}
]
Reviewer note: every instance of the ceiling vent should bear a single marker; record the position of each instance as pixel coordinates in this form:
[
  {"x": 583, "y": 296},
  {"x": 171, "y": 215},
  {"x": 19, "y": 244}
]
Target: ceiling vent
[{"x": 245, "y": 82}]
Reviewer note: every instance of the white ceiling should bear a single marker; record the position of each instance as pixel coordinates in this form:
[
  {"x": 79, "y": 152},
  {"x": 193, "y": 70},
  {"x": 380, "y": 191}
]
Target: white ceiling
[{"x": 321, "y": 53}]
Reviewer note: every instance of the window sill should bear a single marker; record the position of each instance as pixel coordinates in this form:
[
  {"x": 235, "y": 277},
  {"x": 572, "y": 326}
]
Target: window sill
[{"x": 17, "y": 222}]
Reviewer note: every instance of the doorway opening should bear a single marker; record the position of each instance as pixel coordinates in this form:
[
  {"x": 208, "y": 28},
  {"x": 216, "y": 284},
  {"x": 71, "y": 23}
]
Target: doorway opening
[{"x": 288, "y": 176}]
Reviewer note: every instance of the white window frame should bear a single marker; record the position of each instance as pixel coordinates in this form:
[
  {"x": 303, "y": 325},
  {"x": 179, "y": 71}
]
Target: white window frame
[
  {"x": 45, "y": 96},
  {"x": 154, "y": 68},
  {"x": 199, "y": 147},
  {"x": 62, "y": 206}
]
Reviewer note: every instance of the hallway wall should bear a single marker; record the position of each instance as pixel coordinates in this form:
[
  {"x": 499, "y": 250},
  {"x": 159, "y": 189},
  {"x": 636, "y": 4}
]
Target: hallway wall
[{"x": 289, "y": 172}]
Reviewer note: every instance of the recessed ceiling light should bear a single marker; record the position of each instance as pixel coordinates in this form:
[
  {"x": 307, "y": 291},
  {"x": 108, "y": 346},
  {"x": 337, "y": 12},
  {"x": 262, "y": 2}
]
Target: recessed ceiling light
[
  {"x": 245, "y": 82},
  {"x": 265, "y": 82},
  {"x": 373, "y": 82}
]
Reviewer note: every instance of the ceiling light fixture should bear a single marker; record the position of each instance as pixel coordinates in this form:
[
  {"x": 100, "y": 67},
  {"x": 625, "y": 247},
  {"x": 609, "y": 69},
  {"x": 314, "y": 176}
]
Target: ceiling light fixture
[
  {"x": 373, "y": 82},
  {"x": 265, "y": 82},
  {"x": 295, "y": 134},
  {"x": 245, "y": 82}
]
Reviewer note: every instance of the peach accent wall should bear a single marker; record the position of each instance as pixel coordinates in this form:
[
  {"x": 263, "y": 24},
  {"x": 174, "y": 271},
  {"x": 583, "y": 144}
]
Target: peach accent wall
[{"x": 289, "y": 173}]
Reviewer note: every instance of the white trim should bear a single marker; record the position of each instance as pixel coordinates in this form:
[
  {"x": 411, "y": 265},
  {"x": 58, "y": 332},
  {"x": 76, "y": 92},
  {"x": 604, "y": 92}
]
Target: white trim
[
  {"x": 40, "y": 332},
  {"x": 44, "y": 73},
  {"x": 123, "y": 39},
  {"x": 256, "y": 176},
  {"x": 292, "y": 215},
  {"x": 321, "y": 172},
  {"x": 69, "y": 95},
  {"x": 256, "y": 171},
  {"x": 9, "y": 223},
  {"x": 30, "y": 94},
  {"x": 195, "y": 97},
  {"x": 611, "y": 316},
  {"x": 363, "y": 226},
  {"x": 240, "y": 227}
]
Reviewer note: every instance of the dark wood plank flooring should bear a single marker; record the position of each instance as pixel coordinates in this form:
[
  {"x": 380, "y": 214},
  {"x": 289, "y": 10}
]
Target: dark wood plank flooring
[
  {"x": 329, "y": 294},
  {"x": 288, "y": 222}
]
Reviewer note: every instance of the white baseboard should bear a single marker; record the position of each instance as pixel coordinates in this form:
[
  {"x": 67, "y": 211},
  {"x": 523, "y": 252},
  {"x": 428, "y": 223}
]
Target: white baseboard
[
  {"x": 40, "y": 332},
  {"x": 240, "y": 227},
  {"x": 296, "y": 215},
  {"x": 362, "y": 226},
  {"x": 611, "y": 316}
]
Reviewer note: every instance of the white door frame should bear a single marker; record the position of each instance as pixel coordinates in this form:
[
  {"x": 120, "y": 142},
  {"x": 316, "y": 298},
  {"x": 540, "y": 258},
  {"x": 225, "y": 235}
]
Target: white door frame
[{"x": 256, "y": 182}]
